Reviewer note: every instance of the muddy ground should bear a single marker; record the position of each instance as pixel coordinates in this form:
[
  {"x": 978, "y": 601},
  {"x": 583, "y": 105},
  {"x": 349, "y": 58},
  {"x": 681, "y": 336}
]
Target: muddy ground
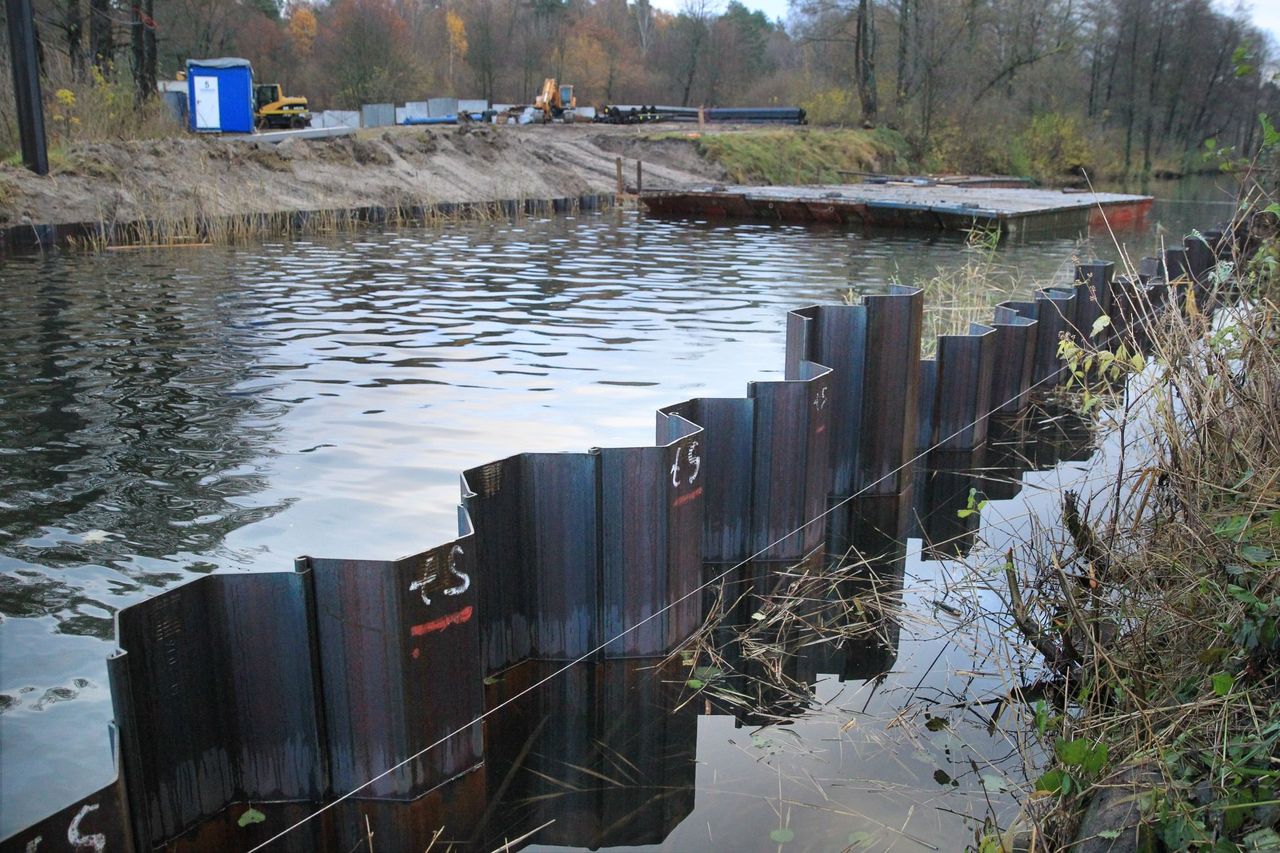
[{"x": 188, "y": 175}]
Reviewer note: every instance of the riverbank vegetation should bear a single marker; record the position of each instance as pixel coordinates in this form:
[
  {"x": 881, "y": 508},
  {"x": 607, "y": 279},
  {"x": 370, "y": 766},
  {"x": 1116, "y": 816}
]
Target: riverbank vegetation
[
  {"x": 1117, "y": 87},
  {"x": 804, "y": 156},
  {"x": 1152, "y": 615}
]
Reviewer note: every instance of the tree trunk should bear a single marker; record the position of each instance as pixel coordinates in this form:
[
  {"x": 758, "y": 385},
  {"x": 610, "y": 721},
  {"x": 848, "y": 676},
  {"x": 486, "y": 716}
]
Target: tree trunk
[
  {"x": 149, "y": 48},
  {"x": 73, "y": 22},
  {"x": 904, "y": 30},
  {"x": 1131, "y": 111},
  {"x": 865, "y": 59},
  {"x": 137, "y": 54},
  {"x": 101, "y": 38},
  {"x": 1157, "y": 61}
]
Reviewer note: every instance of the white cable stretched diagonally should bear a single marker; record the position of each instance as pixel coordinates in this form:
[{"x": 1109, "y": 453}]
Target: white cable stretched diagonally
[{"x": 586, "y": 656}]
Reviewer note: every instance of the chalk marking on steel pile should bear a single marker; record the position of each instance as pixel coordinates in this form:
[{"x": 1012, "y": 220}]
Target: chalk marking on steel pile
[
  {"x": 97, "y": 841},
  {"x": 695, "y": 461},
  {"x": 427, "y": 582}
]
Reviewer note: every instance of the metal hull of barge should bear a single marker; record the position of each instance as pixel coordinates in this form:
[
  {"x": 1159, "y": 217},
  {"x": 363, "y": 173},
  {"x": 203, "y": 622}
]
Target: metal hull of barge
[{"x": 1016, "y": 211}]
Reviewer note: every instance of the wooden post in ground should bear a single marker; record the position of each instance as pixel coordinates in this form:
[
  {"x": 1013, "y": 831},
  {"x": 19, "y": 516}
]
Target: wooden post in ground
[
  {"x": 622, "y": 187},
  {"x": 639, "y": 177},
  {"x": 702, "y": 119}
]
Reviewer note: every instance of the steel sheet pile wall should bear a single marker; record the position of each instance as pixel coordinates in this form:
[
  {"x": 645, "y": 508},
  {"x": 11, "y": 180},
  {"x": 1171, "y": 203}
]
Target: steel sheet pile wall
[
  {"x": 215, "y": 693},
  {"x": 295, "y": 687},
  {"x": 397, "y": 643}
]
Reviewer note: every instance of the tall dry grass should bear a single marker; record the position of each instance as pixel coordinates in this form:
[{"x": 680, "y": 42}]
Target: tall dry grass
[
  {"x": 1154, "y": 608},
  {"x": 84, "y": 107}
]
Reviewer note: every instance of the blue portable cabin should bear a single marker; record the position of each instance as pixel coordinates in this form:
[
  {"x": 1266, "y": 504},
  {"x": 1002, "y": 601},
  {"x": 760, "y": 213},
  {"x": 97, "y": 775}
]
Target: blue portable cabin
[{"x": 220, "y": 95}]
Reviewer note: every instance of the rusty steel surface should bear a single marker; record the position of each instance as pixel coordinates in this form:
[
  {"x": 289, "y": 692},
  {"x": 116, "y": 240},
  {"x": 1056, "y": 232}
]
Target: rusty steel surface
[
  {"x": 889, "y": 388},
  {"x": 1128, "y": 305},
  {"x": 790, "y": 465},
  {"x": 927, "y": 403},
  {"x": 1093, "y": 297},
  {"x": 726, "y": 472},
  {"x": 537, "y": 529},
  {"x": 1175, "y": 264},
  {"x": 1013, "y": 360},
  {"x": 492, "y": 495},
  {"x": 907, "y": 204},
  {"x": 399, "y": 640},
  {"x": 964, "y": 388},
  {"x": 651, "y": 541},
  {"x": 216, "y": 698},
  {"x": 835, "y": 336},
  {"x": 1053, "y": 311}
]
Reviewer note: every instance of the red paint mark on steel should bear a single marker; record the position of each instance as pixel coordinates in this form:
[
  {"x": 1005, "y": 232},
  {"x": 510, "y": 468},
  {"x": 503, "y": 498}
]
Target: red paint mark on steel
[
  {"x": 685, "y": 498},
  {"x": 456, "y": 618}
]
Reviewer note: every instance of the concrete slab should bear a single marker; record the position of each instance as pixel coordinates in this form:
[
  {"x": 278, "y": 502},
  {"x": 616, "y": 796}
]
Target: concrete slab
[{"x": 274, "y": 136}]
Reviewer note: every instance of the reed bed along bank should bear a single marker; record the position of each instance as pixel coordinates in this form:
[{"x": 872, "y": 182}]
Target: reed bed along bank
[{"x": 192, "y": 227}]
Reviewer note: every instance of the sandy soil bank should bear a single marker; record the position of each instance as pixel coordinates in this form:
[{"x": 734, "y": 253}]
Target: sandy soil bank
[{"x": 176, "y": 178}]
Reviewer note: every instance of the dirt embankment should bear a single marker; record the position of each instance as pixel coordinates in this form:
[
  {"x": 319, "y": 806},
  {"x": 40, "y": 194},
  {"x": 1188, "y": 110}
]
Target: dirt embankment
[{"x": 190, "y": 176}]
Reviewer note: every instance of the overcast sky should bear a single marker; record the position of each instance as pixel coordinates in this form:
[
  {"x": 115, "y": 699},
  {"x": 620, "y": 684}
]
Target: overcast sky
[{"x": 1264, "y": 13}]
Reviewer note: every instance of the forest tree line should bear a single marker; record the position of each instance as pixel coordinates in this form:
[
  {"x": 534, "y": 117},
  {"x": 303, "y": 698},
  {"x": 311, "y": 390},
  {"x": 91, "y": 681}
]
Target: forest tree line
[{"x": 964, "y": 81}]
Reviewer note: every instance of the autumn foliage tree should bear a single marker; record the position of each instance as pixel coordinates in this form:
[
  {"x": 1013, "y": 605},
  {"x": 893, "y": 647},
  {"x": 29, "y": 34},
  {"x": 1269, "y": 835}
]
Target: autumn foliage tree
[
  {"x": 1137, "y": 85},
  {"x": 365, "y": 55}
]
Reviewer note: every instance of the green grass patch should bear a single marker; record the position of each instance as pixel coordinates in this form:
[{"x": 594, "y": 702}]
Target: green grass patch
[{"x": 803, "y": 155}]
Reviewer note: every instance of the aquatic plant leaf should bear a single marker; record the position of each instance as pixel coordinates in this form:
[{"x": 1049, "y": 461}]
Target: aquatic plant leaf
[
  {"x": 1072, "y": 752},
  {"x": 1096, "y": 759},
  {"x": 781, "y": 836},
  {"x": 861, "y": 838},
  {"x": 1262, "y": 839},
  {"x": 1232, "y": 527},
  {"x": 251, "y": 815},
  {"x": 1042, "y": 717},
  {"x": 694, "y": 684},
  {"x": 1054, "y": 782},
  {"x": 1222, "y": 683},
  {"x": 936, "y": 724},
  {"x": 1255, "y": 554}
]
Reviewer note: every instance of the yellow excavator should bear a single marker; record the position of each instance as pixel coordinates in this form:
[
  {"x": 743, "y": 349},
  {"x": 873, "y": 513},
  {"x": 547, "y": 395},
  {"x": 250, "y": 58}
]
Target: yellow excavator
[
  {"x": 273, "y": 109},
  {"x": 554, "y": 100}
]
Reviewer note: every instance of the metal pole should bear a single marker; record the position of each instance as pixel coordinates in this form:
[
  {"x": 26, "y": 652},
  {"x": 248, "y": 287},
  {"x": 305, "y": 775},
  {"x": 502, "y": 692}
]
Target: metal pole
[{"x": 26, "y": 85}]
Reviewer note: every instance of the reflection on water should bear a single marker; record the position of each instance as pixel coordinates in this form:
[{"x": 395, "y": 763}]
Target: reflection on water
[{"x": 229, "y": 408}]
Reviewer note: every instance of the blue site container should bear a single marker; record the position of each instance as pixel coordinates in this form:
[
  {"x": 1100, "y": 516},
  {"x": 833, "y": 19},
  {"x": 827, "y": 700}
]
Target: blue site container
[{"x": 220, "y": 95}]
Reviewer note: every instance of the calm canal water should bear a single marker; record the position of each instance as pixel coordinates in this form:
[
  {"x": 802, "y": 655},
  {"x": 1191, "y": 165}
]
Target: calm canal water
[{"x": 226, "y": 409}]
